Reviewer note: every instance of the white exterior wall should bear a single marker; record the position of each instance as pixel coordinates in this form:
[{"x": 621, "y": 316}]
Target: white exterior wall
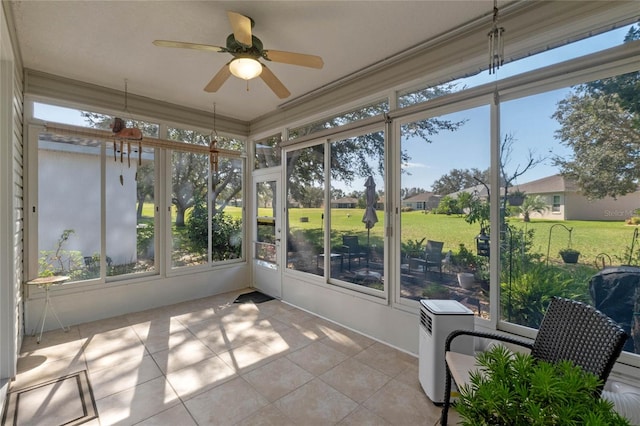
[
  {"x": 60, "y": 198},
  {"x": 574, "y": 206},
  {"x": 580, "y": 208}
]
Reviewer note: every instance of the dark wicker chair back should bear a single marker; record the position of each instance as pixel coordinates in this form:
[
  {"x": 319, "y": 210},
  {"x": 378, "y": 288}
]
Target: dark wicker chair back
[{"x": 578, "y": 332}]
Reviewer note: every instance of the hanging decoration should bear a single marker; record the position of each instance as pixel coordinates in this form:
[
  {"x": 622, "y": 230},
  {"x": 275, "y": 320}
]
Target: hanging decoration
[
  {"x": 121, "y": 133},
  {"x": 213, "y": 149},
  {"x": 496, "y": 42}
]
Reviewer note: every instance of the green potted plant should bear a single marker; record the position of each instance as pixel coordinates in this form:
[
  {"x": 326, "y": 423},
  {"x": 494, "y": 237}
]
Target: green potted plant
[
  {"x": 465, "y": 263},
  {"x": 569, "y": 255},
  {"x": 515, "y": 389}
]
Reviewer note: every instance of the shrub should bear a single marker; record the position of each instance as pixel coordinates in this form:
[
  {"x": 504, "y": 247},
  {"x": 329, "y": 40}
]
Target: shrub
[
  {"x": 526, "y": 296},
  {"x": 515, "y": 390},
  {"x": 226, "y": 233}
]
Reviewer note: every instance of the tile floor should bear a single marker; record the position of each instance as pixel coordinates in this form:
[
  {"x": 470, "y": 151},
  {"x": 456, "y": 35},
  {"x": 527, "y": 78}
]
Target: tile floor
[{"x": 212, "y": 362}]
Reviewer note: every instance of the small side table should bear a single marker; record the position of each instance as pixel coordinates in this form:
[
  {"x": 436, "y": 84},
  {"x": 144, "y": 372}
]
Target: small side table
[{"x": 46, "y": 283}]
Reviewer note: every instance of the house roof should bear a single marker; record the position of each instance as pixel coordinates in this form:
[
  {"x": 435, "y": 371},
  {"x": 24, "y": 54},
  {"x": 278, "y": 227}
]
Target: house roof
[
  {"x": 345, "y": 200},
  {"x": 554, "y": 183},
  {"x": 423, "y": 196}
]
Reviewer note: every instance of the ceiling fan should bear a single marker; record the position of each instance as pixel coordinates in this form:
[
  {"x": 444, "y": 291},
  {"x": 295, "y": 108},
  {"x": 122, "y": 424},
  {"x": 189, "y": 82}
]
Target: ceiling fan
[{"x": 246, "y": 50}]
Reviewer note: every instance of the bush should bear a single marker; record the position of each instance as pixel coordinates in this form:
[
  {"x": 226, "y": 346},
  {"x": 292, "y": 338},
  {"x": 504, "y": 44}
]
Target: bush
[
  {"x": 526, "y": 296},
  {"x": 515, "y": 389},
  {"x": 226, "y": 233}
]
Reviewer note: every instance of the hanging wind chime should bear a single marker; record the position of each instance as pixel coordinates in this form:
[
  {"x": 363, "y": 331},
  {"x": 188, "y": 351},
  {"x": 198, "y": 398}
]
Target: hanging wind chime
[
  {"x": 213, "y": 149},
  {"x": 496, "y": 42},
  {"x": 122, "y": 133}
]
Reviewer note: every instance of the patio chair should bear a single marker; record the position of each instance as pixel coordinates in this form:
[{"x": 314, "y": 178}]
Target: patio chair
[
  {"x": 432, "y": 257},
  {"x": 352, "y": 249},
  {"x": 570, "y": 330}
]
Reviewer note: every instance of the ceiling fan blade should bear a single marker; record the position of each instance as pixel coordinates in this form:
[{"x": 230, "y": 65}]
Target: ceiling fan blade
[
  {"x": 241, "y": 28},
  {"x": 218, "y": 80},
  {"x": 274, "y": 84},
  {"x": 300, "y": 59},
  {"x": 185, "y": 45}
]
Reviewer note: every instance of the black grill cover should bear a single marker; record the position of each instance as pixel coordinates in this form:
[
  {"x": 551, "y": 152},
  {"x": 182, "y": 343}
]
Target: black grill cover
[{"x": 615, "y": 291}]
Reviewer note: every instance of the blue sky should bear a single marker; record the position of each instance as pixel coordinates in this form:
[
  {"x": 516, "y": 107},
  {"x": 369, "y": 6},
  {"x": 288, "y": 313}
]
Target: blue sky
[{"x": 527, "y": 120}]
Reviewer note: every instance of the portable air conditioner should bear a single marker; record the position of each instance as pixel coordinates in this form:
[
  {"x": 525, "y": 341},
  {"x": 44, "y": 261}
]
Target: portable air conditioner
[{"x": 438, "y": 318}]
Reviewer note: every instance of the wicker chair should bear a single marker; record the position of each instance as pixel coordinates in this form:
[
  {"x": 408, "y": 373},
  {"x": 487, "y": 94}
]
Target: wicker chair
[{"x": 570, "y": 330}]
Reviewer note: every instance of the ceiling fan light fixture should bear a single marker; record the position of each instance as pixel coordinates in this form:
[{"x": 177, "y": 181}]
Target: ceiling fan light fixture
[{"x": 245, "y": 68}]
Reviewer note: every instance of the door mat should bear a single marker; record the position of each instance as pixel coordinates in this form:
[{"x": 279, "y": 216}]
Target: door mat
[
  {"x": 67, "y": 400},
  {"x": 253, "y": 297}
]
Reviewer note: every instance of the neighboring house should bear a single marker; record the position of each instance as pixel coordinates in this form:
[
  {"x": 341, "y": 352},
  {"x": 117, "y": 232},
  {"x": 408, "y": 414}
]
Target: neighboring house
[
  {"x": 481, "y": 191},
  {"x": 423, "y": 201},
  {"x": 84, "y": 165},
  {"x": 344, "y": 203},
  {"x": 380, "y": 203},
  {"x": 565, "y": 201}
]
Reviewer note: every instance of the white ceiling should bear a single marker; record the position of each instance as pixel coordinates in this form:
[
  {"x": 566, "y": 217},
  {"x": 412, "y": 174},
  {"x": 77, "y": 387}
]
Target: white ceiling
[{"x": 106, "y": 42}]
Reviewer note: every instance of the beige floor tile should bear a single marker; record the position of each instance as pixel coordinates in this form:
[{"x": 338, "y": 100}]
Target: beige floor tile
[
  {"x": 267, "y": 416},
  {"x": 277, "y": 378},
  {"x": 249, "y": 357},
  {"x": 293, "y": 316},
  {"x": 356, "y": 380},
  {"x": 200, "y": 377},
  {"x": 239, "y": 312},
  {"x": 317, "y": 358},
  {"x": 400, "y": 404},
  {"x": 288, "y": 340},
  {"x": 214, "y": 335},
  {"x": 347, "y": 341},
  {"x": 147, "y": 315},
  {"x": 55, "y": 344},
  {"x": 225, "y": 404},
  {"x": 199, "y": 315},
  {"x": 315, "y": 372},
  {"x": 159, "y": 340},
  {"x": 90, "y": 328},
  {"x": 136, "y": 404},
  {"x": 156, "y": 334},
  {"x": 316, "y": 403},
  {"x": 107, "y": 355},
  {"x": 33, "y": 370},
  {"x": 409, "y": 377},
  {"x": 177, "y": 415},
  {"x": 316, "y": 328},
  {"x": 54, "y": 404},
  {"x": 364, "y": 417},
  {"x": 386, "y": 359},
  {"x": 187, "y": 352},
  {"x": 273, "y": 307},
  {"x": 123, "y": 376}
]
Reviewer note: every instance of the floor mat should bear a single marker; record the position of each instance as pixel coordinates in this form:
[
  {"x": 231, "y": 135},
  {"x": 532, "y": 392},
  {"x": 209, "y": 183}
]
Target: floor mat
[
  {"x": 253, "y": 297},
  {"x": 67, "y": 400}
]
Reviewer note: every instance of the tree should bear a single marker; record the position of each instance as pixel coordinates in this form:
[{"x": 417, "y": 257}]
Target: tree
[
  {"x": 448, "y": 205},
  {"x": 532, "y": 205},
  {"x": 458, "y": 179},
  {"x": 411, "y": 192},
  {"x": 605, "y": 143},
  {"x": 626, "y": 86},
  {"x": 351, "y": 157},
  {"x": 188, "y": 181},
  {"x": 600, "y": 122}
]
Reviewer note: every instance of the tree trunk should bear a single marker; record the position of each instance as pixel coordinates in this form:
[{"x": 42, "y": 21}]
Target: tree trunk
[{"x": 179, "y": 216}]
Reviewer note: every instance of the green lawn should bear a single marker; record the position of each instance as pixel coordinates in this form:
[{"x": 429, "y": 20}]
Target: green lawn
[{"x": 589, "y": 237}]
